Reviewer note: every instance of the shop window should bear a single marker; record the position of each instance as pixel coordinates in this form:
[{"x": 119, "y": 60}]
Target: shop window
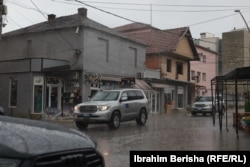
[
  {"x": 38, "y": 100},
  {"x": 13, "y": 93}
]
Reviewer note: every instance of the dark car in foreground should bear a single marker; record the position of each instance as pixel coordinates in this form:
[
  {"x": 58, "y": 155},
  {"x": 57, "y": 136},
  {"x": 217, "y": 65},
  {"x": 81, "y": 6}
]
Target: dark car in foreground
[
  {"x": 1, "y": 111},
  {"x": 30, "y": 143}
]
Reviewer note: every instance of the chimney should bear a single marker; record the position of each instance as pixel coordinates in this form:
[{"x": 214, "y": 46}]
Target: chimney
[
  {"x": 51, "y": 17},
  {"x": 82, "y": 12}
]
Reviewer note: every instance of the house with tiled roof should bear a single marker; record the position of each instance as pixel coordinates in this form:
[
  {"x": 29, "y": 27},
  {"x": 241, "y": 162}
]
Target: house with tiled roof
[
  {"x": 47, "y": 66},
  {"x": 168, "y": 57}
]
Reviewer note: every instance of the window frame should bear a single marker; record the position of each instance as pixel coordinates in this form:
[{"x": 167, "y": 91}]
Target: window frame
[
  {"x": 179, "y": 68},
  {"x": 13, "y": 95},
  {"x": 169, "y": 65},
  {"x": 106, "y": 48}
]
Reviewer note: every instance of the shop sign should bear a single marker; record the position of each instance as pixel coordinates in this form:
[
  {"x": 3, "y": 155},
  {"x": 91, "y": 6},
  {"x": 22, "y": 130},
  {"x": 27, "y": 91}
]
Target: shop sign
[
  {"x": 92, "y": 78},
  {"x": 38, "y": 80}
]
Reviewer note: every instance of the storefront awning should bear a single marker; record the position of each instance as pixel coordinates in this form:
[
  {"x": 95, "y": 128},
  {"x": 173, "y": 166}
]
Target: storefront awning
[
  {"x": 110, "y": 78},
  {"x": 200, "y": 87},
  {"x": 49, "y": 65},
  {"x": 140, "y": 84}
]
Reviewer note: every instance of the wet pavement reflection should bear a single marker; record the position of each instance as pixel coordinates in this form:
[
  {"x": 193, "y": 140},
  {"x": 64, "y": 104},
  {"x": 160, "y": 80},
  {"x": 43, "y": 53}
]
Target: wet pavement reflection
[{"x": 178, "y": 130}]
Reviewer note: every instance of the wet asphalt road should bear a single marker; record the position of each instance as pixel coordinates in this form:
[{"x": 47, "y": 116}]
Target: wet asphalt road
[{"x": 178, "y": 130}]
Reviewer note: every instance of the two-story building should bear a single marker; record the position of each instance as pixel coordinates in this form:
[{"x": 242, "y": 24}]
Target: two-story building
[
  {"x": 168, "y": 57},
  {"x": 62, "y": 61},
  {"x": 203, "y": 71}
]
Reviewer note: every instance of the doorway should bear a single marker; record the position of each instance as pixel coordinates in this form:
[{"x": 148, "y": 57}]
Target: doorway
[{"x": 53, "y": 95}]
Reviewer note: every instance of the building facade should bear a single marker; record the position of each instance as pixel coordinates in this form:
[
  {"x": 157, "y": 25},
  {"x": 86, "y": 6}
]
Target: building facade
[
  {"x": 167, "y": 62},
  {"x": 53, "y": 65},
  {"x": 203, "y": 71},
  {"x": 235, "y": 50}
]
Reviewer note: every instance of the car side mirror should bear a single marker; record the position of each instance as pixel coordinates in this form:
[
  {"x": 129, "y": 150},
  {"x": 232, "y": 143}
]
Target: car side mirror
[{"x": 124, "y": 98}]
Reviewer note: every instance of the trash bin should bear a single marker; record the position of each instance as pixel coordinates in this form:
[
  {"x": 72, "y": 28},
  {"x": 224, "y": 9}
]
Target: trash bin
[{"x": 247, "y": 106}]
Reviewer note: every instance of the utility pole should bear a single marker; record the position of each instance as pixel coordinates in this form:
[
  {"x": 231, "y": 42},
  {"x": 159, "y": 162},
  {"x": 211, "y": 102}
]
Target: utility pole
[
  {"x": 3, "y": 11},
  {"x": 238, "y": 11},
  {"x": 1, "y": 17}
]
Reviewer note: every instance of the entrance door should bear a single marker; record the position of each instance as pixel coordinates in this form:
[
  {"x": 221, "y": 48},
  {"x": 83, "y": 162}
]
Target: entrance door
[
  {"x": 53, "y": 96},
  {"x": 180, "y": 97}
]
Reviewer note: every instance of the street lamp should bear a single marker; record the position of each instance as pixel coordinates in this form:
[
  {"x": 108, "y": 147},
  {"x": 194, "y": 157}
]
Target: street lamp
[{"x": 243, "y": 19}]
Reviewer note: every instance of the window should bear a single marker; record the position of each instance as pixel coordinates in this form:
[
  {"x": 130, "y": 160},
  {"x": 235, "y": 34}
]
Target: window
[
  {"x": 133, "y": 52},
  {"x": 201, "y": 56},
  {"x": 169, "y": 65},
  {"x": 105, "y": 46},
  {"x": 192, "y": 73},
  {"x": 132, "y": 95},
  {"x": 203, "y": 76},
  {"x": 139, "y": 95},
  {"x": 38, "y": 98},
  {"x": 13, "y": 93},
  {"x": 179, "y": 68},
  {"x": 198, "y": 76},
  {"x": 204, "y": 59}
]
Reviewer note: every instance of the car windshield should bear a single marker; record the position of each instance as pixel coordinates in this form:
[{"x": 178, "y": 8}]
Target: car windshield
[
  {"x": 105, "y": 96},
  {"x": 205, "y": 98}
]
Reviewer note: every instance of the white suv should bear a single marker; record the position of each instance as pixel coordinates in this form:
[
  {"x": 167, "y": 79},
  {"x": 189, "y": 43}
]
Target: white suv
[
  {"x": 204, "y": 105},
  {"x": 112, "y": 107}
]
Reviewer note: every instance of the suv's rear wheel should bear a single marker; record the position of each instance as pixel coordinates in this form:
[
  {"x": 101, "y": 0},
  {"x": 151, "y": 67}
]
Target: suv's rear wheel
[
  {"x": 115, "y": 121},
  {"x": 142, "y": 118},
  {"x": 82, "y": 125}
]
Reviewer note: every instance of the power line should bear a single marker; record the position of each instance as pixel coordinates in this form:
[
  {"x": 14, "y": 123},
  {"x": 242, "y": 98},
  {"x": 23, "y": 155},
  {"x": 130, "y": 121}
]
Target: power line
[
  {"x": 135, "y": 22},
  {"x": 105, "y": 11},
  {"x": 38, "y": 9},
  {"x": 151, "y": 10},
  {"x": 171, "y": 5}
]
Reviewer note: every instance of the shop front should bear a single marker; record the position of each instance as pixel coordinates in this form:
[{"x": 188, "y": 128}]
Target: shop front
[
  {"x": 172, "y": 95},
  {"x": 56, "y": 93}
]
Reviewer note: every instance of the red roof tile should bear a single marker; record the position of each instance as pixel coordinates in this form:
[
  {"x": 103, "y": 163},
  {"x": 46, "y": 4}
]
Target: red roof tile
[{"x": 156, "y": 39}]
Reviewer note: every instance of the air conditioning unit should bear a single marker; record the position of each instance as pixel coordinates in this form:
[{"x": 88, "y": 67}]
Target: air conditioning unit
[{"x": 140, "y": 75}]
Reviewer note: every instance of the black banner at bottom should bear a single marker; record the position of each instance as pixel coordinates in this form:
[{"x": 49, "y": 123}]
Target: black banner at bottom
[{"x": 184, "y": 158}]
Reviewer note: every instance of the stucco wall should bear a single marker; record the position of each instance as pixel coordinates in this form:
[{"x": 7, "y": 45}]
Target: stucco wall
[
  {"x": 121, "y": 60},
  {"x": 58, "y": 44},
  {"x": 208, "y": 68},
  {"x": 24, "y": 94},
  {"x": 235, "y": 50}
]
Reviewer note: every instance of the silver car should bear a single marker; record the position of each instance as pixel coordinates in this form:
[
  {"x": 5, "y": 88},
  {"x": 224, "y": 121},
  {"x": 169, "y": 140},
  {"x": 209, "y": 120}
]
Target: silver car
[
  {"x": 112, "y": 107},
  {"x": 204, "y": 105}
]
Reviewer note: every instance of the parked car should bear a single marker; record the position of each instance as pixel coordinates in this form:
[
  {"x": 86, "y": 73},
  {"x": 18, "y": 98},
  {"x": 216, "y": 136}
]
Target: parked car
[
  {"x": 112, "y": 107},
  {"x": 204, "y": 105},
  {"x": 1, "y": 111},
  {"x": 29, "y": 143}
]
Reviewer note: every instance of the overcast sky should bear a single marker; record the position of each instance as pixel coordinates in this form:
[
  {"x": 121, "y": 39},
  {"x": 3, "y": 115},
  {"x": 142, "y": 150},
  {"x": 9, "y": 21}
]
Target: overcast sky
[{"x": 213, "y": 16}]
